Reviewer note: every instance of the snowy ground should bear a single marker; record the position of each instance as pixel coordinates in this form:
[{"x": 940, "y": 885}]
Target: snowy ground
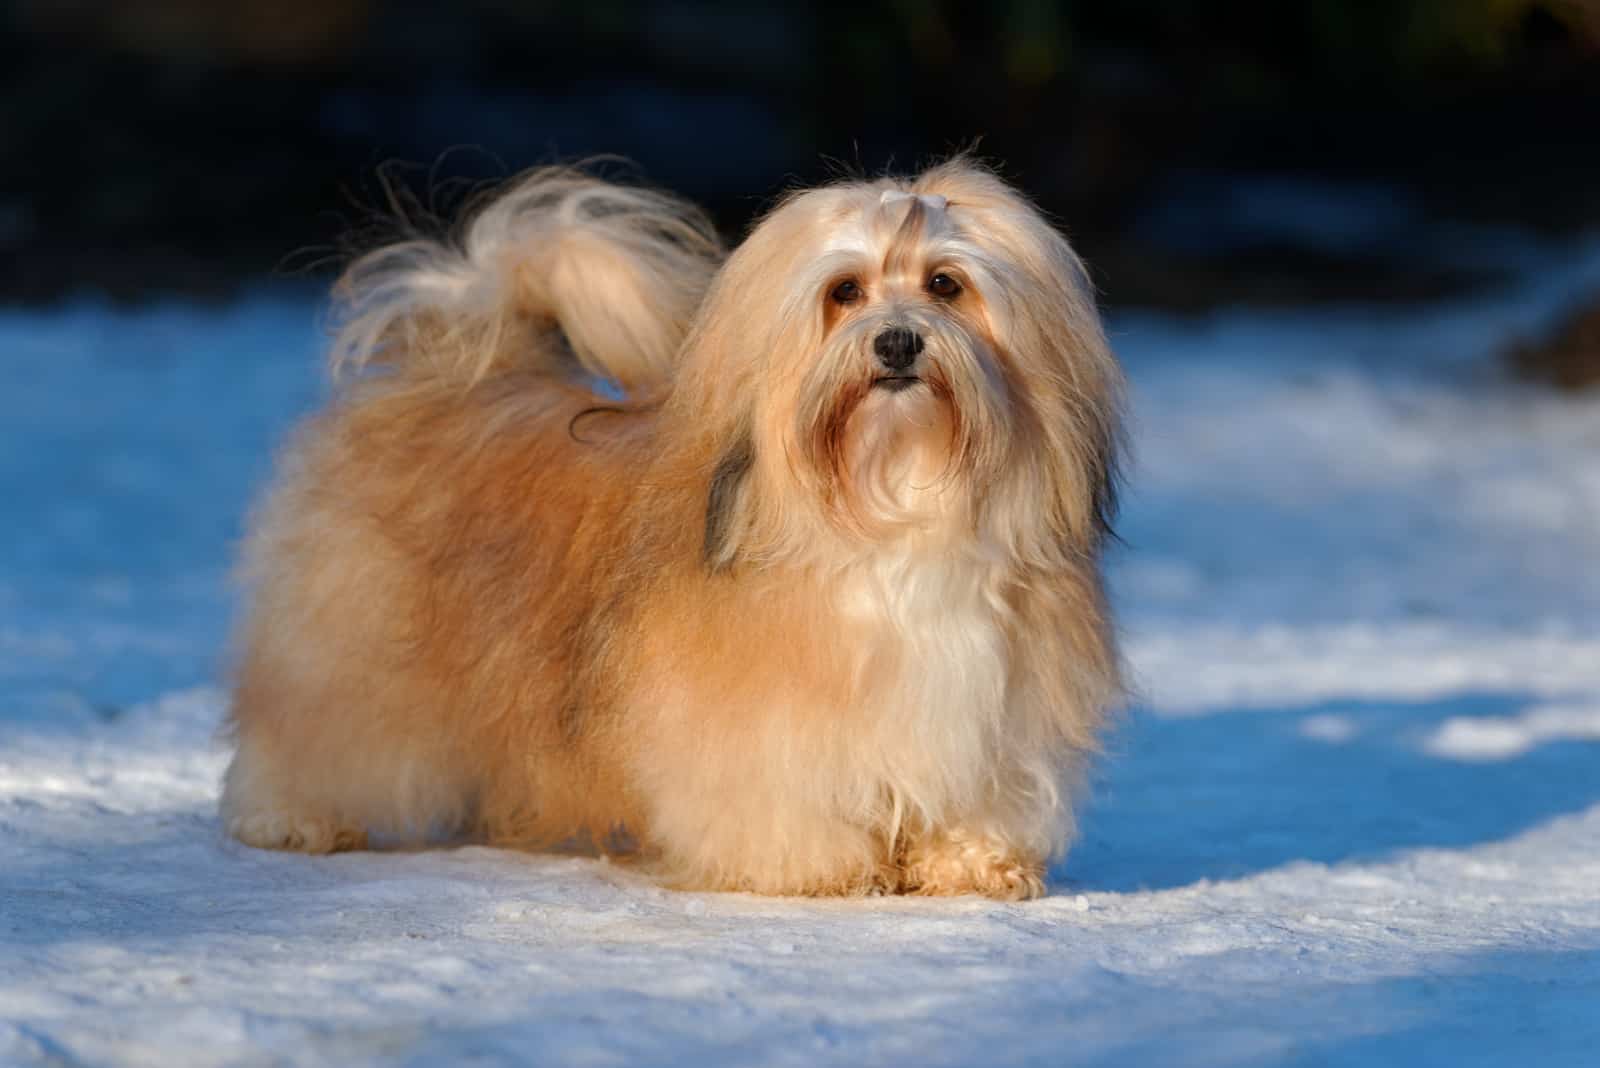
[{"x": 1354, "y": 819}]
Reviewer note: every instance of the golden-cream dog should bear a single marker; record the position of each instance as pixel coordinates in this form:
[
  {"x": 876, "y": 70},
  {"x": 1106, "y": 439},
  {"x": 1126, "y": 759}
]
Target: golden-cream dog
[{"x": 814, "y": 609}]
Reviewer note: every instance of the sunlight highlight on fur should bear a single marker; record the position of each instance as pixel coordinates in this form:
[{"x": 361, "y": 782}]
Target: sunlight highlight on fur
[{"x": 817, "y": 611}]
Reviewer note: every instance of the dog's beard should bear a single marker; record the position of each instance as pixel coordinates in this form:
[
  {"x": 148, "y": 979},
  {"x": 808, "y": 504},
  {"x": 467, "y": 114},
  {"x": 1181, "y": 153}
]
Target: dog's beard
[{"x": 908, "y": 451}]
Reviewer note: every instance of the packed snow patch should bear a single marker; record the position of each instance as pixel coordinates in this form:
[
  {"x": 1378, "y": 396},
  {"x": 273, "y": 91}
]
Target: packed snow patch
[{"x": 1504, "y": 737}]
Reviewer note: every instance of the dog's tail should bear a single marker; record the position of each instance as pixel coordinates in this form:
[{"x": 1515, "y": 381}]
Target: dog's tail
[{"x": 559, "y": 265}]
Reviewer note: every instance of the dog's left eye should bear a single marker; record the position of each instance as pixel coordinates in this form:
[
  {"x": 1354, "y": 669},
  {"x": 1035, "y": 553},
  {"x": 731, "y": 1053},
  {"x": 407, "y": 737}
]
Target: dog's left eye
[
  {"x": 944, "y": 287},
  {"x": 846, "y": 292}
]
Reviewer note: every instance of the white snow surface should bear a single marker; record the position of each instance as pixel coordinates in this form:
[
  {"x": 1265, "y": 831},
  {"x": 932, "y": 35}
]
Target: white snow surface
[{"x": 1353, "y": 818}]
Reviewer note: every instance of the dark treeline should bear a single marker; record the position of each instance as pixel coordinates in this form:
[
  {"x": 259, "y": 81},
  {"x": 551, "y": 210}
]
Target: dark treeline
[{"x": 185, "y": 144}]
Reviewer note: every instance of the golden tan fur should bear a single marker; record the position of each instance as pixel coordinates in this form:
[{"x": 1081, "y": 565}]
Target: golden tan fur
[{"x": 774, "y": 626}]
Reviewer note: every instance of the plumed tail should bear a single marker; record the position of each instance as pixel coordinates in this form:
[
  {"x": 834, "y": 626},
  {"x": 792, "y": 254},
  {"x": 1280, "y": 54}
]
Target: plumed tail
[{"x": 558, "y": 265}]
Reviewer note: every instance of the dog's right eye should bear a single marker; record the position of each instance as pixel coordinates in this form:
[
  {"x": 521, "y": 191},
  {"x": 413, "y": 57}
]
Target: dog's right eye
[{"x": 846, "y": 292}]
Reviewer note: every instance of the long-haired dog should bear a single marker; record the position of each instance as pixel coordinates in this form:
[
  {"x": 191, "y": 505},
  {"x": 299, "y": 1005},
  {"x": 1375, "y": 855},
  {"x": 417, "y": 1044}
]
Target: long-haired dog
[{"x": 814, "y": 609}]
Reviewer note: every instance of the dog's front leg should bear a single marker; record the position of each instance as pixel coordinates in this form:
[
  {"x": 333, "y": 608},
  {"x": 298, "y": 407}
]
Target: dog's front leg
[
  {"x": 1000, "y": 850},
  {"x": 767, "y": 849}
]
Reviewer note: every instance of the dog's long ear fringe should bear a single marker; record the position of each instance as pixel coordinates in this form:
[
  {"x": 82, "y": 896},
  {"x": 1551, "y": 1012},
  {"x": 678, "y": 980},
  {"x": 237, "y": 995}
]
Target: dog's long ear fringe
[
  {"x": 559, "y": 259},
  {"x": 719, "y": 549},
  {"x": 1107, "y": 481}
]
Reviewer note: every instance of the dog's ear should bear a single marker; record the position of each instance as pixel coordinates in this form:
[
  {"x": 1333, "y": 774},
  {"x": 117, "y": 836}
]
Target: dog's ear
[
  {"x": 724, "y": 499},
  {"x": 1106, "y": 478}
]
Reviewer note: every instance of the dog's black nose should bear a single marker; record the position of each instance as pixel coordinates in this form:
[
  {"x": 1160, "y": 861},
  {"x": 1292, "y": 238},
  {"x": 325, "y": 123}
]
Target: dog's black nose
[{"x": 897, "y": 347}]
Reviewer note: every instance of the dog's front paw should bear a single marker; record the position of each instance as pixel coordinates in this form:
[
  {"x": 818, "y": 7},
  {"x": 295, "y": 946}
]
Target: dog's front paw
[{"x": 958, "y": 862}]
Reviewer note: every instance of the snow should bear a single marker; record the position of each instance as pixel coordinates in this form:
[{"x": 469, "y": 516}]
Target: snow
[
  {"x": 1353, "y": 818},
  {"x": 1504, "y": 737}
]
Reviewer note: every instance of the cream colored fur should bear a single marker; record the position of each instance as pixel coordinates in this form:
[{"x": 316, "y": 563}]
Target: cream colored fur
[{"x": 769, "y": 624}]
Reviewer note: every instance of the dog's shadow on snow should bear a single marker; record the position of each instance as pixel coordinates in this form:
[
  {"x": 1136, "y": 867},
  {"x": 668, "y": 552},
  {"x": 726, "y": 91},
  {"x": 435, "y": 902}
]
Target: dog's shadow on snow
[{"x": 1179, "y": 799}]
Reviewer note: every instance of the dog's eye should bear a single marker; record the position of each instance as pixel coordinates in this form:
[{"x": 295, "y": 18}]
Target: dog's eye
[
  {"x": 846, "y": 292},
  {"x": 944, "y": 287}
]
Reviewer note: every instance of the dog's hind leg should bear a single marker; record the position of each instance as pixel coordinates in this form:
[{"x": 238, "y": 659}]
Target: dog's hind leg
[
  {"x": 347, "y": 798},
  {"x": 264, "y": 804},
  {"x": 319, "y": 770}
]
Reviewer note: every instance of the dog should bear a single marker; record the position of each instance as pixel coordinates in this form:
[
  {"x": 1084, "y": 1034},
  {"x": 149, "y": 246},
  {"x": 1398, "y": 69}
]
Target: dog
[{"x": 775, "y": 570}]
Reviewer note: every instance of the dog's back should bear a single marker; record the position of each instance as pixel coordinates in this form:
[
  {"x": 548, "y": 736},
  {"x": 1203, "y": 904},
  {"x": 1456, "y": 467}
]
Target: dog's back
[{"x": 431, "y": 523}]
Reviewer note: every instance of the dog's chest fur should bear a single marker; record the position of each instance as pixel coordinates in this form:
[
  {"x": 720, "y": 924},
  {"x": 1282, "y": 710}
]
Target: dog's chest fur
[{"x": 929, "y": 644}]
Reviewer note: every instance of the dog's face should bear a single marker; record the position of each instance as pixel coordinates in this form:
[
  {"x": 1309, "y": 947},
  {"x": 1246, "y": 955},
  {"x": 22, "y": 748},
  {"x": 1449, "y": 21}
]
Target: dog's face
[
  {"x": 896, "y": 399},
  {"x": 907, "y": 357}
]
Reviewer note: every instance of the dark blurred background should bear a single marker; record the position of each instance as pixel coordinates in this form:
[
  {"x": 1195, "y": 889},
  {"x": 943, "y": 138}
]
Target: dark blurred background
[{"x": 195, "y": 146}]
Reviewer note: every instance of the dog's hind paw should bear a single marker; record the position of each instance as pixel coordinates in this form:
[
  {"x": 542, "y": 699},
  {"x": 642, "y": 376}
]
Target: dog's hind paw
[{"x": 299, "y": 834}]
